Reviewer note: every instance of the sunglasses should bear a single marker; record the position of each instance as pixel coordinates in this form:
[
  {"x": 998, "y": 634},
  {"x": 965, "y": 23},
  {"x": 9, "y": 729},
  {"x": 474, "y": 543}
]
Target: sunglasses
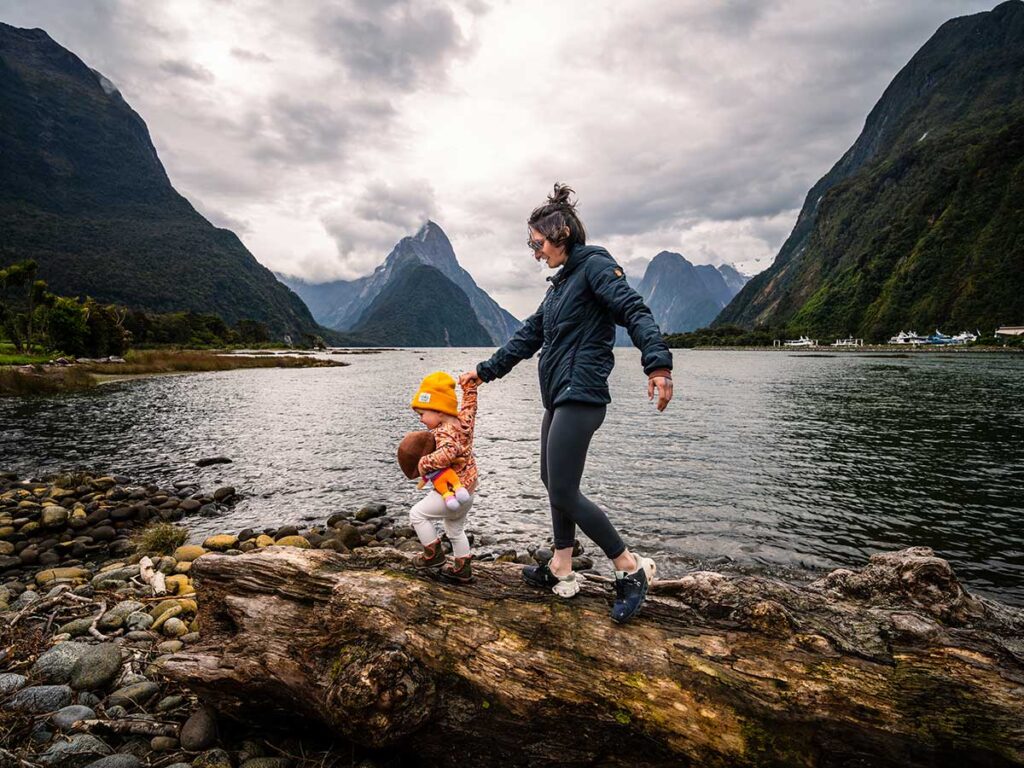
[{"x": 536, "y": 245}]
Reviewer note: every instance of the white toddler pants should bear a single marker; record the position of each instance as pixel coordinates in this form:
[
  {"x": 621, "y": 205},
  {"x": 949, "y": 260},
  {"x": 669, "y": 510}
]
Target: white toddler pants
[{"x": 431, "y": 508}]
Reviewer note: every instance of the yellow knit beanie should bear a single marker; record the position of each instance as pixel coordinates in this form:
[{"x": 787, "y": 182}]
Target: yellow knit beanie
[{"x": 437, "y": 393}]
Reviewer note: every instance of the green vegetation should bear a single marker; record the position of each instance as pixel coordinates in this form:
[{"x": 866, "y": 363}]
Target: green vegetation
[
  {"x": 83, "y": 193},
  {"x": 420, "y": 307},
  {"x": 159, "y": 539},
  {"x": 920, "y": 225},
  {"x": 725, "y": 336}
]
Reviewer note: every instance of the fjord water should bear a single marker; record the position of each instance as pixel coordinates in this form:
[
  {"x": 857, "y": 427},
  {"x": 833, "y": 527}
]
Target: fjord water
[{"x": 772, "y": 459}]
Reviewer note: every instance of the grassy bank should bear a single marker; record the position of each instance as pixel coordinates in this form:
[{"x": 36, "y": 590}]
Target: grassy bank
[{"x": 47, "y": 379}]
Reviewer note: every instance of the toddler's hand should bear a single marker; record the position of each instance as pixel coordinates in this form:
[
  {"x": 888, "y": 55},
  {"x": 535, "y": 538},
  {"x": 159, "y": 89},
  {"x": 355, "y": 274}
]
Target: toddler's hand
[{"x": 470, "y": 380}]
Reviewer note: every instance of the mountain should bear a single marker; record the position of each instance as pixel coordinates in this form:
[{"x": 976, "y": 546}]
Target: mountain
[
  {"x": 83, "y": 192},
  {"x": 420, "y": 307},
  {"x": 682, "y": 296},
  {"x": 339, "y": 304},
  {"x": 920, "y": 224}
]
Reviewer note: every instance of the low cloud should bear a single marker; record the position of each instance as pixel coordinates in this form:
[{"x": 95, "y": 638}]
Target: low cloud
[{"x": 187, "y": 70}]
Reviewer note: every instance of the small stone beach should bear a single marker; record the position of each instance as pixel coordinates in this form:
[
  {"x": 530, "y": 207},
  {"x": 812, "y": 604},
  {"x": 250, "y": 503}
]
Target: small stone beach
[{"x": 95, "y": 592}]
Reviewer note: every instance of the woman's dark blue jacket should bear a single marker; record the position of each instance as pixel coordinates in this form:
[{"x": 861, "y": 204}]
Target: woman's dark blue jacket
[{"x": 575, "y": 325}]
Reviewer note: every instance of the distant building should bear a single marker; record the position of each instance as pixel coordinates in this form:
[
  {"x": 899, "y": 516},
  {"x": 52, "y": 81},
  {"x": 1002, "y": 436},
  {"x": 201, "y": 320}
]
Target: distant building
[{"x": 1010, "y": 330}]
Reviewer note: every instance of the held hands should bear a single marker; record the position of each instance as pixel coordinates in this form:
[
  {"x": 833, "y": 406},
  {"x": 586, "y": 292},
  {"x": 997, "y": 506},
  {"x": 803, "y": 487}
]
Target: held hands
[
  {"x": 470, "y": 379},
  {"x": 664, "y": 387}
]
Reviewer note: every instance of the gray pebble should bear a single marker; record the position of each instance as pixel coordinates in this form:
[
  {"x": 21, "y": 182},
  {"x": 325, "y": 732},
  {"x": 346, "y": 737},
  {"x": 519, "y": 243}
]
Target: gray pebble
[
  {"x": 40, "y": 698},
  {"x": 199, "y": 731},
  {"x": 55, "y": 665},
  {"x": 119, "y": 761},
  {"x": 75, "y": 750},
  {"x": 11, "y": 682},
  {"x": 96, "y": 668},
  {"x": 134, "y": 695},
  {"x": 64, "y": 718}
]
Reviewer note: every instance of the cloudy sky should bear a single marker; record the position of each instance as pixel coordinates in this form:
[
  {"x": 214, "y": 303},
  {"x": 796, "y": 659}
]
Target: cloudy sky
[{"x": 322, "y": 132}]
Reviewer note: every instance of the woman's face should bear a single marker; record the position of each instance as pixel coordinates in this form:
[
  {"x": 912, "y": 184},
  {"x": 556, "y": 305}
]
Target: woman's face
[{"x": 553, "y": 254}]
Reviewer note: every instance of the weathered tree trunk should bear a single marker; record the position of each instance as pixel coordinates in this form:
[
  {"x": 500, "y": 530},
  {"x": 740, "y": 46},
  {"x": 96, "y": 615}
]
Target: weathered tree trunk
[{"x": 891, "y": 665}]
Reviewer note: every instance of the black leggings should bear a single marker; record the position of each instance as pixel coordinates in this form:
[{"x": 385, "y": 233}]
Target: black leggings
[{"x": 564, "y": 440}]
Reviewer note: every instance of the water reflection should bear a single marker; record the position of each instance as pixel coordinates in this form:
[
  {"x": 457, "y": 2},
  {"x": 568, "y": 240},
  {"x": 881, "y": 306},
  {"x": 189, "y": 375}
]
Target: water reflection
[{"x": 767, "y": 458}]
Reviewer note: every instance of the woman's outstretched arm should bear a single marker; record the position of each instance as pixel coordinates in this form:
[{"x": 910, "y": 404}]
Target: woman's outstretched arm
[{"x": 523, "y": 345}]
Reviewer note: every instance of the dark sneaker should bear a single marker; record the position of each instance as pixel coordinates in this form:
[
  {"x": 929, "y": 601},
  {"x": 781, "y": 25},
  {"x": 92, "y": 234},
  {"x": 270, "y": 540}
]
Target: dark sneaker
[
  {"x": 432, "y": 557},
  {"x": 631, "y": 589},
  {"x": 460, "y": 571},
  {"x": 540, "y": 576}
]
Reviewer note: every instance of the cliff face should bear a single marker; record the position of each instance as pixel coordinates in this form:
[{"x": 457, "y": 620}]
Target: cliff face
[
  {"x": 83, "y": 192},
  {"x": 919, "y": 223}
]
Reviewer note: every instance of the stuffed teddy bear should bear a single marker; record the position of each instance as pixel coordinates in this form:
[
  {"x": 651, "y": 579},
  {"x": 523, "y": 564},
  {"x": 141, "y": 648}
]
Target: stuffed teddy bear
[{"x": 415, "y": 446}]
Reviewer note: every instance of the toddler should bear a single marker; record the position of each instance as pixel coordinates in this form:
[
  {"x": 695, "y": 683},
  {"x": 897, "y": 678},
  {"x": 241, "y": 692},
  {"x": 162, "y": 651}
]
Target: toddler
[{"x": 452, "y": 427}]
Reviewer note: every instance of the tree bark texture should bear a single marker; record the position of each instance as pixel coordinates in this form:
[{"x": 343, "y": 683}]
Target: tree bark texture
[{"x": 891, "y": 665}]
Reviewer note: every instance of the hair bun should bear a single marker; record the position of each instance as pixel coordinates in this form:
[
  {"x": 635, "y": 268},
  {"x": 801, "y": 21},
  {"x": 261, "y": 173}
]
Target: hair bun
[{"x": 560, "y": 197}]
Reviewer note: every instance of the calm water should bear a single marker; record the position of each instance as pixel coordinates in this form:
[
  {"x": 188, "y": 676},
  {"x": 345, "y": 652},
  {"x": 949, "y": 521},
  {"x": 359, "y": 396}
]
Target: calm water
[{"x": 771, "y": 459}]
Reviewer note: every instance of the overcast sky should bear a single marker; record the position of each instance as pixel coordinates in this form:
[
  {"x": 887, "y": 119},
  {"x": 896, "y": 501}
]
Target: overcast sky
[{"x": 323, "y": 132}]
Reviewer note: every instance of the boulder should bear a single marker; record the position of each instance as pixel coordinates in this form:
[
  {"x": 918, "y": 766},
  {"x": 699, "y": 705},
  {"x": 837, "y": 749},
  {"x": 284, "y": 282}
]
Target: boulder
[
  {"x": 55, "y": 665},
  {"x": 97, "y": 668}
]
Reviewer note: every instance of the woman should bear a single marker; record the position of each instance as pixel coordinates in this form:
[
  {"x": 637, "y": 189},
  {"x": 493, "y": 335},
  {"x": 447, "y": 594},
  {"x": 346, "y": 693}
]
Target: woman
[{"x": 574, "y": 328}]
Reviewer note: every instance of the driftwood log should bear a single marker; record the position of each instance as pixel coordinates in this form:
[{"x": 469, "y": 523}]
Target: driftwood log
[{"x": 892, "y": 665}]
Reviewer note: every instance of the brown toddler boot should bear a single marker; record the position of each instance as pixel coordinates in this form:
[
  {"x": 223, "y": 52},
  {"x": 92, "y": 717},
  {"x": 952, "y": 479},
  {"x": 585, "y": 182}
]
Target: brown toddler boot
[
  {"x": 432, "y": 557},
  {"x": 459, "y": 571}
]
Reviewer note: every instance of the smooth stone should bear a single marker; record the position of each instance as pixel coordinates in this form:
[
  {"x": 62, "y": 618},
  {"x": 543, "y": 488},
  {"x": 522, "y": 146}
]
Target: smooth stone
[
  {"x": 213, "y": 758},
  {"x": 169, "y": 702},
  {"x": 264, "y": 541},
  {"x": 293, "y": 541},
  {"x": 53, "y": 517},
  {"x": 117, "y": 761},
  {"x": 138, "y": 621},
  {"x": 170, "y": 646},
  {"x": 52, "y": 575},
  {"x": 188, "y": 552},
  {"x": 178, "y": 584},
  {"x": 266, "y": 762},
  {"x": 190, "y": 505},
  {"x": 87, "y": 699},
  {"x": 115, "y": 617},
  {"x": 40, "y": 698},
  {"x": 370, "y": 511},
  {"x": 64, "y": 718},
  {"x": 163, "y": 743},
  {"x": 75, "y": 751},
  {"x": 11, "y": 682},
  {"x": 96, "y": 668},
  {"x": 348, "y": 535},
  {"x": 55, "y": 665},
  {"x": 224, "y": 493},
  {"x": 189, "y": 637},
  {"x": 199, "y": 731},
  {"x": 136, "y": 694},
  {"x": 221, "y": 542}
]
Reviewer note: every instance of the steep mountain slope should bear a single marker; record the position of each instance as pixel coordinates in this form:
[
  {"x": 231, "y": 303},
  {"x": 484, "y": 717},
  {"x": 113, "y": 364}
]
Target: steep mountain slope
[
  {"x": 921, "y": 222},
  {"x": 340, "y": 303},
  {"x": 83, "y": 192},
  {"x": 420, "y": 307}
]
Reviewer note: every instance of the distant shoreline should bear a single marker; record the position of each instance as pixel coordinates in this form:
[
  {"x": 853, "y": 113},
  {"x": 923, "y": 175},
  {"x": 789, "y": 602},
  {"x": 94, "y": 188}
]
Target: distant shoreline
[{"x": 874, "y": 348}]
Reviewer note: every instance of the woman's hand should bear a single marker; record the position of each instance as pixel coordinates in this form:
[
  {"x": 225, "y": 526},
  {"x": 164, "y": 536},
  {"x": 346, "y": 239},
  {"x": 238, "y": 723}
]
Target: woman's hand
[
  {"x": 470, "y": 377},
  {"x": 664, "y": 386}
]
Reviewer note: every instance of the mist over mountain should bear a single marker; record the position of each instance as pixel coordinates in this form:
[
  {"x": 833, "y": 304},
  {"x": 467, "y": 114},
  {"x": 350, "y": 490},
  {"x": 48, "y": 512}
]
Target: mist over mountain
[
  {"x": 920, "y": 223},
  {"x": 83, "y": 192}
]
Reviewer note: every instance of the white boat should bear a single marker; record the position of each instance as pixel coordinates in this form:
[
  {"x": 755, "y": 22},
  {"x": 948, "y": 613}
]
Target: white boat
[
  {"x": 965, "y": 337},
  {"x": 907, "y": 337},
  {"x": 803, "y": 341},
  {"x": 848, "y": 342}
]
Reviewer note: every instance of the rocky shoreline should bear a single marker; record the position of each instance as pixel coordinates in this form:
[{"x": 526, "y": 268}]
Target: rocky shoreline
[{"x": 95, "y": 591}]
